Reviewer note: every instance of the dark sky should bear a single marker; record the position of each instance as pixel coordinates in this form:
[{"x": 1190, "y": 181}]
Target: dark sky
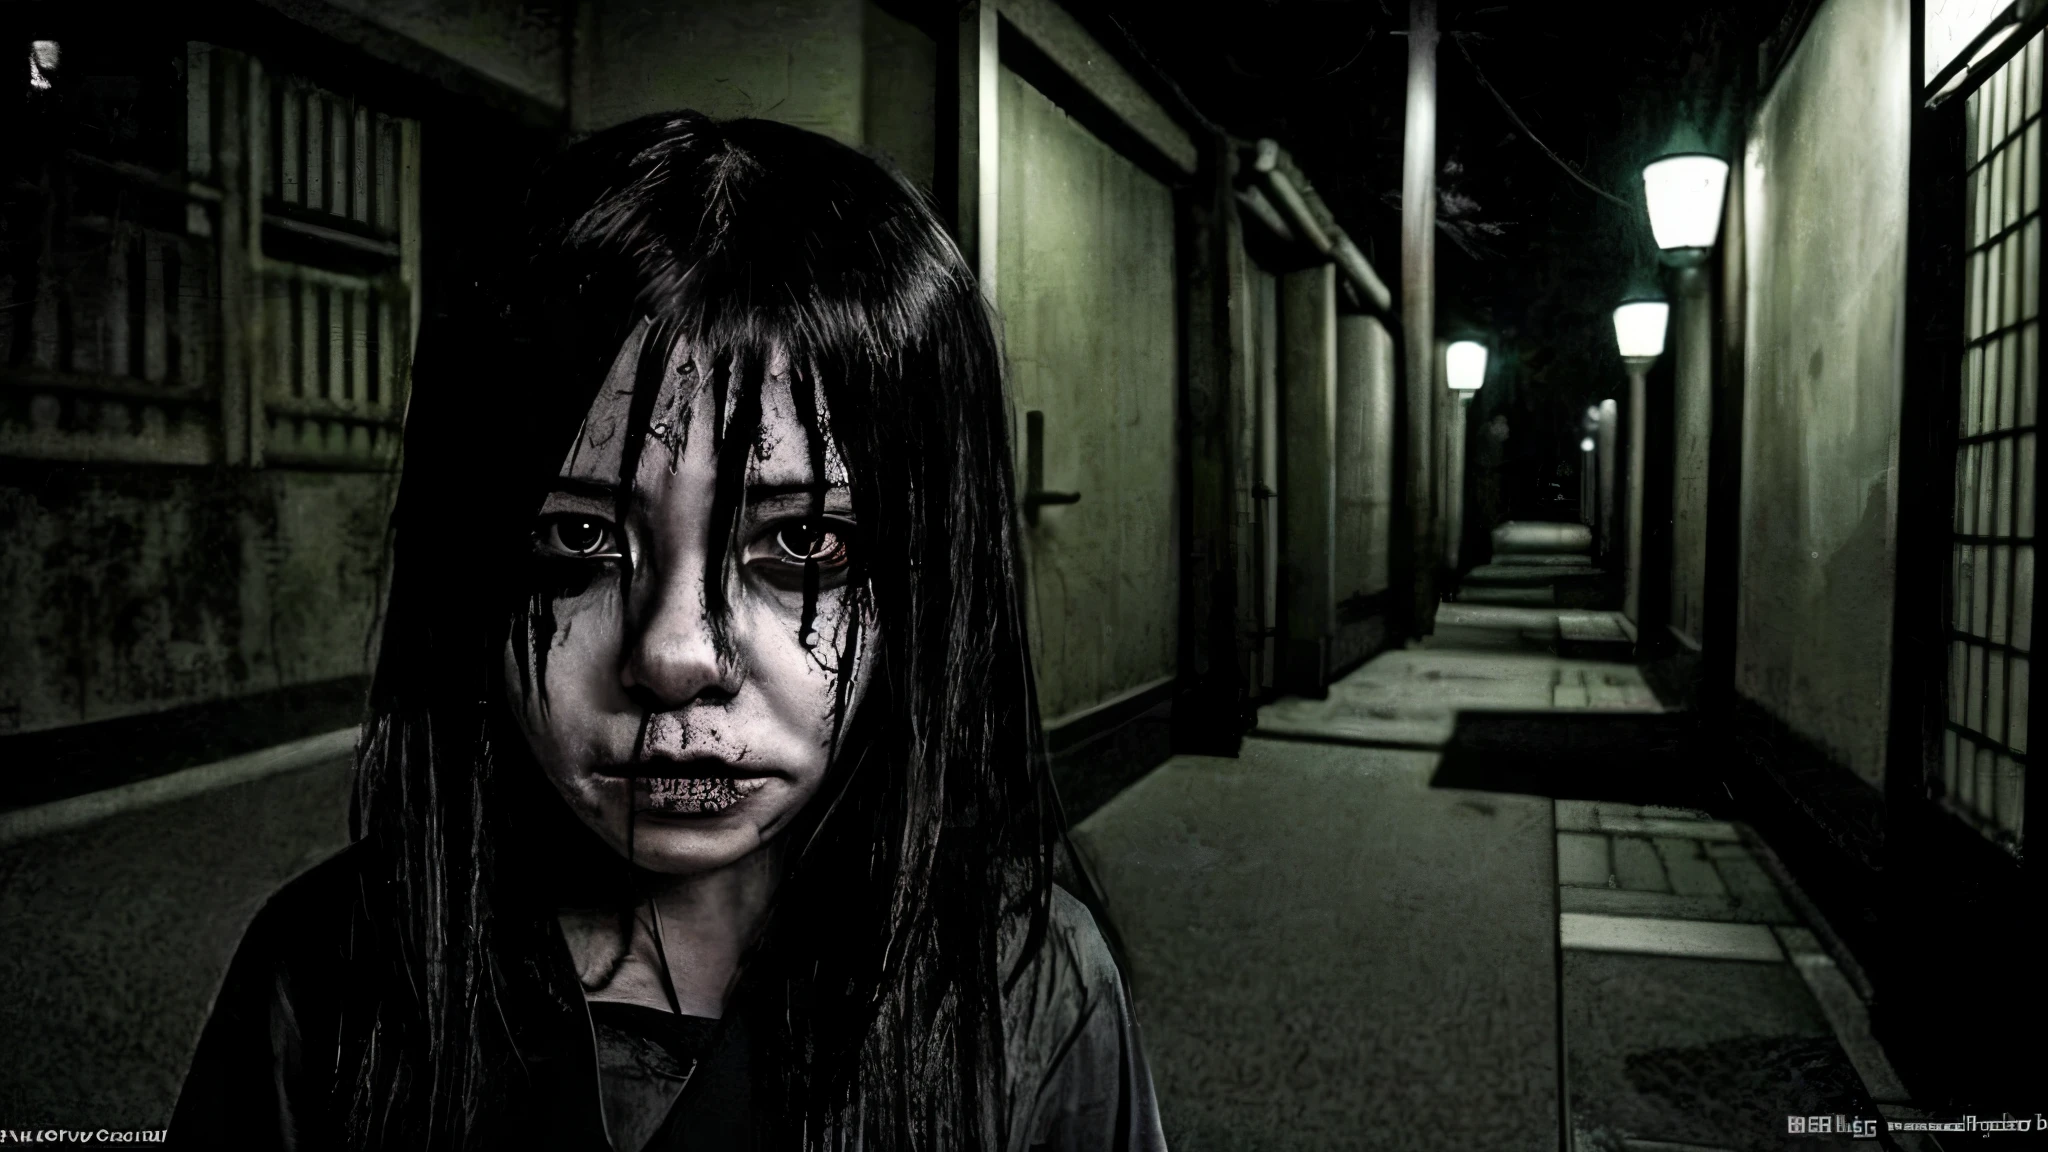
[{"x": 1532, "y": 260}]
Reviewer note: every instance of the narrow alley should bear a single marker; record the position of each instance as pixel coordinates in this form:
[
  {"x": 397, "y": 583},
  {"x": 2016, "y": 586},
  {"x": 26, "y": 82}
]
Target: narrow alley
[{"x": 1502, "y": 536}]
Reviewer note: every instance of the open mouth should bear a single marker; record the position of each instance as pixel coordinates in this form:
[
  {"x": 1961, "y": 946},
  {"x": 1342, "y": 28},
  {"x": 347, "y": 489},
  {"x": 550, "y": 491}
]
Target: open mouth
[
  {"x": 697, "y": 787},
  {"x": 696, "y": 795}
]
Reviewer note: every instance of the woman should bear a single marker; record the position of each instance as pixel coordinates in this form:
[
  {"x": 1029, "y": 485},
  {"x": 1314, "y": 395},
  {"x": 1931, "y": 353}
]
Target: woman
[{"x": 701, "y": 801}]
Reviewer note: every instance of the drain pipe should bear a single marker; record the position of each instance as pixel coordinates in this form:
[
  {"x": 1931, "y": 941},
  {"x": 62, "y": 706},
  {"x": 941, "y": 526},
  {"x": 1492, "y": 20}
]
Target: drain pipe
[{"x": 1308, "y": 219}]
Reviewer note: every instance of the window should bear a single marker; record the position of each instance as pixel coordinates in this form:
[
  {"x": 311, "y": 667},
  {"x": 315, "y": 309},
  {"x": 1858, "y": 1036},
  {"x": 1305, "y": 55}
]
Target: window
[
  {"x": 1984, "y": 748},
  {"x": 231, "y": 268}
]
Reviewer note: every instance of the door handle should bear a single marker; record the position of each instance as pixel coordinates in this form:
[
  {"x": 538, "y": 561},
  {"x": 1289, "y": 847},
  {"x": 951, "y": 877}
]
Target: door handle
[{"x": 1035, "y": 495}]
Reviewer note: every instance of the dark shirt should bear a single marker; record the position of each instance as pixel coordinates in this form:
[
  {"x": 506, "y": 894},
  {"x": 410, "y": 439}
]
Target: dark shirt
[
  {"x": 298, "y": 1007},
  {"x": 649, "y": 1059}
]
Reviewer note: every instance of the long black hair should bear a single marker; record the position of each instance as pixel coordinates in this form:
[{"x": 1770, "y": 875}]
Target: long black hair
[{"x": 876, "y": 979}]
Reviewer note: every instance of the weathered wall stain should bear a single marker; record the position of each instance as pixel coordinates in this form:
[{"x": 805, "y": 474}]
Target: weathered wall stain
[
  {"x": 137, "y": 589},
  {"x": 1825, "y": 197}
]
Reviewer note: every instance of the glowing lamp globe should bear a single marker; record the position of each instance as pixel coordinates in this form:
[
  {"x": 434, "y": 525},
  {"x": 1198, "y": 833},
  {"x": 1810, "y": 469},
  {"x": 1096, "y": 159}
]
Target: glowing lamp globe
[
  {"x": 1639, "y": 329},
  {"x": 1465, "y": 365},
  {"x": 1586, "y": 445},
  {"x": 1685, "y": 193}
]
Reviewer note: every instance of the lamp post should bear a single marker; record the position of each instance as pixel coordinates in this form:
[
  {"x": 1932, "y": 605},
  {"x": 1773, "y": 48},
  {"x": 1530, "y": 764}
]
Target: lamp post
[
  {"x": 1685, "y": 190},
  {"x": 1606, "y": 457},
  {"x": 1639, "y": 331},
  {"x": 1586, "y": 489},
  {"x": 1465, "y": 372},
  {"x": 1589, "y": 487}
]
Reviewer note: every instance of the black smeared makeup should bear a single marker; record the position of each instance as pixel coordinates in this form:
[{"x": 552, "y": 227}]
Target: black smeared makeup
[
  {"x": 657, "y": 346},
  {"x": 734, "y": 446},
  {"x": 735, "y": 379},
  {"x": 803, "y": 391}
]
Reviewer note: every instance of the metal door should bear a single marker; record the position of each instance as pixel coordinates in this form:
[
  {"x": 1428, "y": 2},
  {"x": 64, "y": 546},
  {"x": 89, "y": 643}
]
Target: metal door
[{"x": 1086, "y": 243}]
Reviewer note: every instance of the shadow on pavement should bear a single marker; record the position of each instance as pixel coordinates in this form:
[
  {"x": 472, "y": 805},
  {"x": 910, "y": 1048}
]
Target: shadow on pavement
[{"x": 1627, "y": 758}]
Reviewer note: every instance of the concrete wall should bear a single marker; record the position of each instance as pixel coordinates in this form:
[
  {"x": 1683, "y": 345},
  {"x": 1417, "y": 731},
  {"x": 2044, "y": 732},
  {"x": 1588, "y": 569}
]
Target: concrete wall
[
  {"x": 1365, "y": 455},
  {"x": 1085, "y": 245},
  {"x": 518, "y": 43},
  {"x": 1825, "y": 186},
  {"x": 138, "y": 588},
  {"x": 899, "y": 78},
  {"x": 845, "y": 68},
  {"x": 1308, "y": 461},
  {"x": 797, "y": 61},
  {"x": 842, "y": 67}
]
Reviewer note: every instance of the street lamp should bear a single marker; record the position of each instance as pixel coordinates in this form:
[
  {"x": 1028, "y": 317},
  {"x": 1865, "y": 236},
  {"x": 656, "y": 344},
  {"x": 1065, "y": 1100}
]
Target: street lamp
[
  {"x": 1465, "y": 367},
  {"x": 1685, "y": 191},
  {"x": 1465, "y": 372},
  {"x": 1639, "y": 331},
  {"x": 1685, "y": 188}
]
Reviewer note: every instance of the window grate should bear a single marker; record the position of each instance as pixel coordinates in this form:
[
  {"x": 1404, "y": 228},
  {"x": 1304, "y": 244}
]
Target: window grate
[{"x": 1991, "y": 608}]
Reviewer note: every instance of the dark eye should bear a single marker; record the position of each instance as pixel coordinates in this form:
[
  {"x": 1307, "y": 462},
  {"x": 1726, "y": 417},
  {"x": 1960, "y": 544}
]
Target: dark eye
[
  {"x": 823, "y": 542},
  {"x": 572, "y": 534}
]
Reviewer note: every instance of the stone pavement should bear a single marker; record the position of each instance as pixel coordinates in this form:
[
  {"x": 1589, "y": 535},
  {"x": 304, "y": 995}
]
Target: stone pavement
[{"x": 1699, "y": 1011}]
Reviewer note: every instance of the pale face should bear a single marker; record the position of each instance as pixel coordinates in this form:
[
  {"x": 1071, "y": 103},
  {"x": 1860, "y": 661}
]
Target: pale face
[{"x": 680, "y": 758}]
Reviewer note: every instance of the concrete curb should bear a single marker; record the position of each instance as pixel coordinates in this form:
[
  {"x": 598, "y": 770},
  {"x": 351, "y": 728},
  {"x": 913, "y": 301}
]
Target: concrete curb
[{"x": 78, "y": 811}]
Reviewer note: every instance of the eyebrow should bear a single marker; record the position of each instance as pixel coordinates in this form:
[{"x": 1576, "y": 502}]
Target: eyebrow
[
  {"x": 759, "y": 492},
  {"x": 594, "y": 489},
  {"x": 598, "y": 490}
]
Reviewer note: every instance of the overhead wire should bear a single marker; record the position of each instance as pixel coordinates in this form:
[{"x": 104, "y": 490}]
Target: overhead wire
[{"x": 1459, "y": 39}]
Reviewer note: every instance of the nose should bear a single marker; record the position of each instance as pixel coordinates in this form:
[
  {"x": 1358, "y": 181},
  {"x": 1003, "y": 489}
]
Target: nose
[{"x": 673, "y": 654}]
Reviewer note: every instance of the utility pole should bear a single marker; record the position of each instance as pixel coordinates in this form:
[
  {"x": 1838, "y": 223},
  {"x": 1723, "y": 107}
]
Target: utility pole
[{"x": 1418, "y": 306}]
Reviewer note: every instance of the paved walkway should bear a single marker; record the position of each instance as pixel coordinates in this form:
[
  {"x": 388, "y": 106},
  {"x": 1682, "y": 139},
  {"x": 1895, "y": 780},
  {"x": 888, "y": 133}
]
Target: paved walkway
[
  {"x": 1330, "y": 952},
  {"x": 118, "y": 933},
  {"x": 1483, "y": 658}
]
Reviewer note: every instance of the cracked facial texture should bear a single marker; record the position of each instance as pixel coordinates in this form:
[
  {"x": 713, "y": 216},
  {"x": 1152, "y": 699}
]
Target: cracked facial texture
[{"x": 679, "y": 687}]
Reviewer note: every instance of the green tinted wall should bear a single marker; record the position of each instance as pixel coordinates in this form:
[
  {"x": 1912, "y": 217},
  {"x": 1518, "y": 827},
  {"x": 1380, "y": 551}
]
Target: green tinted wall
[
  {"x": 1086, "y": 285},
  {"x": 1825, "y": 201},
  {"x": 797, "y": 61}
]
